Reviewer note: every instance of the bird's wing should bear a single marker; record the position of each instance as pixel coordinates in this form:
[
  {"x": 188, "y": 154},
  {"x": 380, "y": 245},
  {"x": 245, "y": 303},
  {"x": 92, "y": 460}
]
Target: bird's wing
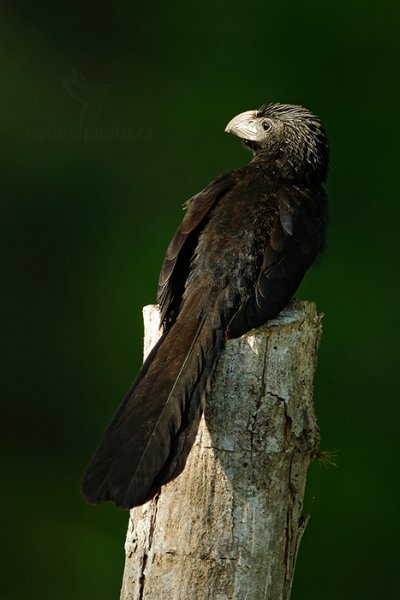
[
  {"x": 176, "y": 265},
  {"x": 295, "y": 239}
]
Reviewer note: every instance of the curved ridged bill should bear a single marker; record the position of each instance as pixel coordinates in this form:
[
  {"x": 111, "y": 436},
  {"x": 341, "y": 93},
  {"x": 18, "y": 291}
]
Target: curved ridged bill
[{"x": 245, "y": 126}]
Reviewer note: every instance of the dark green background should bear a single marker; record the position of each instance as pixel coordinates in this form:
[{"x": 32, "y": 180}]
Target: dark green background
[{"x": 113, "y": 115}]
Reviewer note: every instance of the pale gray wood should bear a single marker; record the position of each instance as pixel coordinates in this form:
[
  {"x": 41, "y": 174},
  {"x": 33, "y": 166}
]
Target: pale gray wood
[{"x": 229, "y": 527}]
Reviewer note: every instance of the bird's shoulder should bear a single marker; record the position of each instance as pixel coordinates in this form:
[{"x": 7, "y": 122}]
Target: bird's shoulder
[{"x": 176, "y": 265}]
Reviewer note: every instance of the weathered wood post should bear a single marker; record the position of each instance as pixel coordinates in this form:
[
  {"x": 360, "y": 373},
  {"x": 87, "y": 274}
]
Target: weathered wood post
[{"x": 230, "y": 525}]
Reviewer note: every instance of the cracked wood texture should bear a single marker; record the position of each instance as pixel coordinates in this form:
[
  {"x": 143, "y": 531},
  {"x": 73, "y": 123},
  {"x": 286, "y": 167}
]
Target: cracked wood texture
[{"x": 229, "y": 527}]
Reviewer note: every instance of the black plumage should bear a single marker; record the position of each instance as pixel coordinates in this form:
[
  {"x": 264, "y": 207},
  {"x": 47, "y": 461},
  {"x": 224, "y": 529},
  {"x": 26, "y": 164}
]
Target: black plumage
[{"x": 236, "y": 260}]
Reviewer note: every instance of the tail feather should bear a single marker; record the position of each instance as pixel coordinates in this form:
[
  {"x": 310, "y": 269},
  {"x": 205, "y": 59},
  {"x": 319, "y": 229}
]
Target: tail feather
[
  {"x": 186, "y": 435},
  {"x": 149, "y": 438}
]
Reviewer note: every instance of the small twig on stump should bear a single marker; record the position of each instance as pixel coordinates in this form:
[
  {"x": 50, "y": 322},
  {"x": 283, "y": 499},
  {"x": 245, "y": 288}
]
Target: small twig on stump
[{"x": 230, "y": 525}]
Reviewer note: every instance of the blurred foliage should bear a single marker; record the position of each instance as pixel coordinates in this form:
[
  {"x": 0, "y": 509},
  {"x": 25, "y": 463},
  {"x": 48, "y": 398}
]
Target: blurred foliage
[{"x": 112, "y": 115}]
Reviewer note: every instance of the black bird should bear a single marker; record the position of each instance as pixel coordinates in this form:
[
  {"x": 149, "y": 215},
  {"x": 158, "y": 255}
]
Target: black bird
[{"x": 236, "y": 260}]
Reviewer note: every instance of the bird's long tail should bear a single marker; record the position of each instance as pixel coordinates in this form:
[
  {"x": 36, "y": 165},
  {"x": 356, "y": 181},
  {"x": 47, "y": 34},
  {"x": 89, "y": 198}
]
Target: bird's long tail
[{"x": 149, "y": 438}]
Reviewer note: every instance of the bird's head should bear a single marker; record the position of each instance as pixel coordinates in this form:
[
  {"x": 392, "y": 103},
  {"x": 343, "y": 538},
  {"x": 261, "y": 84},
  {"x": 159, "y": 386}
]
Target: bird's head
[{"x": 290, "y": 136}]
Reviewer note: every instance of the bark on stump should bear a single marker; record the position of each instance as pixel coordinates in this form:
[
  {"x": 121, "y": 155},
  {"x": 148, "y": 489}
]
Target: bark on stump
[{"x": 230, "y": 525}]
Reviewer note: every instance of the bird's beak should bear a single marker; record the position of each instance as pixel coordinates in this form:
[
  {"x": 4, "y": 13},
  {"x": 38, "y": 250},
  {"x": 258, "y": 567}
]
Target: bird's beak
[{"x": 245, "y": 126}]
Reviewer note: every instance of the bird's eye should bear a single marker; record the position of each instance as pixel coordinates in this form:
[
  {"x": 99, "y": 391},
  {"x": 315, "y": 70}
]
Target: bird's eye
[{"x": 266, "y": 125}]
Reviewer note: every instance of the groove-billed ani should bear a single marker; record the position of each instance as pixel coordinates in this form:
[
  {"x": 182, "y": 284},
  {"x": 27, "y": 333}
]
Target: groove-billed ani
[{"x": 236, "y": 260}]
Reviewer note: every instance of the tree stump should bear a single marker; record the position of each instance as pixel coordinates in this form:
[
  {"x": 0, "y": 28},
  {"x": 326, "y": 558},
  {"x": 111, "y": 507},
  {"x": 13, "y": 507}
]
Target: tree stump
[{"x": 229, "y": 527}]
